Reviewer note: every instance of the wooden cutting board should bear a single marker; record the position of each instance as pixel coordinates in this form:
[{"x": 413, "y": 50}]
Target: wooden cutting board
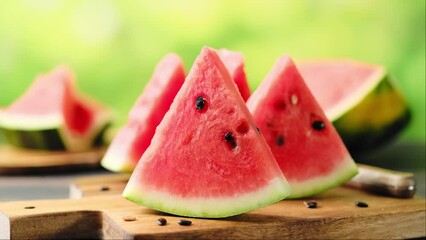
[
  {"x": 20, "y": 161},
  {"x": 102, "y": 185},
  {"x": 105, "y": 216}
]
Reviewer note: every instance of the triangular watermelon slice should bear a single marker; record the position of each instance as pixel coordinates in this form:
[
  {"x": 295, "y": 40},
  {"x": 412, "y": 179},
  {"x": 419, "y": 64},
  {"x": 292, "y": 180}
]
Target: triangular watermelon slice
[
  {"x": 307, "y": 147},
  {"x": 234, "y": 62},
  {"x": 133, "y": 139},
  {"x": 53, "y": 115},
  {"x": 207, "y": 158}
]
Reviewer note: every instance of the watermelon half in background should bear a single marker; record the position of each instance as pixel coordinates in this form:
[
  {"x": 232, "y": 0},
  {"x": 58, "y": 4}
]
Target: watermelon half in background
[
  {"x": 207, "y": 158},
  {"x": 234, "y": 62},
  {"x": 133, "y": 139},
  {"x": 361, "y": 100},
  {"x": 305, "y": 144},
  {"x": 53, "y": 115}
]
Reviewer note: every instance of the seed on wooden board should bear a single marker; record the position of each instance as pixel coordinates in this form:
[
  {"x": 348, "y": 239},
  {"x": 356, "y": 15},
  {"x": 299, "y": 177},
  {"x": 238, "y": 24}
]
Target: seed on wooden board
[
  {"x": 361, "y": 204},
  {"x": 184, "y": 222},
  {"x": 104, "y": 188},
  {"x": 318, "y": 125},
  {"x": 129, "y": 218},
  {"x": 310, "y": 204},
  {"x": 161, "y": 221},
  {"x": 29, "y": 207}
]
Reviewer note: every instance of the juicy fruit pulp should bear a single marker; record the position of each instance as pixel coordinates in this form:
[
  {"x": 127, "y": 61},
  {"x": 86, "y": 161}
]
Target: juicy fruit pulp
[
  {"x": 207, "y": 161},
  {"x": 234, "y": 62},
  {"x": 53, "y": 115},
  {"x": 307, "y": 147},
  {"x": 361, "y": 100},
  {"x": 134, "y": 138}
]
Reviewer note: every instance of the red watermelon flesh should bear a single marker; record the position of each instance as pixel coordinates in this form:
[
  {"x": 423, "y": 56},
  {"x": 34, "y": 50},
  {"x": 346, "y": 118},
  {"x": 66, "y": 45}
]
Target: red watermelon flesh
[
  {"x": 134, "y": 138},
  {"x": 334, "y": 74},
  {"x": 48, "y": 101},
  {"x": 234, "y": 62},
  {"x": 307, "y": 147},
  {"x": 207, "y": 158},
  {"x": 40, "y": 100},
  {"x": 53, "y": 101}
]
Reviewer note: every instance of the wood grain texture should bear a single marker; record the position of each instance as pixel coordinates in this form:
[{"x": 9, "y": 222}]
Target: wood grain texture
[
  {"x": 18, "y": 161},
  {"x": 95, "y": 185},
  {"x": 336, "y": 217}
]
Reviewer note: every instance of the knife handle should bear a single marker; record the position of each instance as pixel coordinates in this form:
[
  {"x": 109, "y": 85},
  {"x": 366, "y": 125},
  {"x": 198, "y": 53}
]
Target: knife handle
[{"x": 384, "y": 182}]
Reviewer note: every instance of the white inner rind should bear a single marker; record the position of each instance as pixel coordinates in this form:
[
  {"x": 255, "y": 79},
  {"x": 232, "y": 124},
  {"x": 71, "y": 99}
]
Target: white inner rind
[
  {"x": 342, "y": 173},
  {"x": 116, "y": 162},
  {"x": 72, "y": 141},
  {"x": 29, "y": 122},
  {"x": 214, "y": 207},
  {"x": 357, "y": 96},
  {"x": 75, "y": 142}
]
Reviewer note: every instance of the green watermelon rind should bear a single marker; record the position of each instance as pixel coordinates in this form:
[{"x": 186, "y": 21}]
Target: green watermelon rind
[
  {"x": 346, "y": 170},
  {"x": 50, "y": 133},
  {"x": 213, "y": 207},
  {"x": 373, "y": 116},
  {"x": 368, "y": 139}
]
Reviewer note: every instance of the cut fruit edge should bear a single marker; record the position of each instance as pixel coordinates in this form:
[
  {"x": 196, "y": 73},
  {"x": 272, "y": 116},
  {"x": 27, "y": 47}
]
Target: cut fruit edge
[
  {"x": 342, "y": 173},
  {"x": 71, "y": 141},
  {"x": 350, "y": 102},
  {"x": 110, "y": 162},
  {"x": 215, "y": 207}
]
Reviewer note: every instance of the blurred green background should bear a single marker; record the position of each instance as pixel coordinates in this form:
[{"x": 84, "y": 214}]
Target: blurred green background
[{"x": 113, "y": 46}]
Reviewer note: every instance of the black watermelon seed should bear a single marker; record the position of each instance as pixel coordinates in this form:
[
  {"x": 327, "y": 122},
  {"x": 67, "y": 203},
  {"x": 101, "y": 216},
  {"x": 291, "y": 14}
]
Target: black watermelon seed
[
  {"x": 258, "y": 130},
  {"x": 104, "y": 188},
  {"x": 200, "y": 102},
  {"x": 161, "y": 221},
  {"x": 29, "y": 207},
  {"x": 183, "y": 222},
  {"x": 280, "y": 140},
  {"x": 361, "y": 204},
  {"x": 230, "y": 139},
  {"x": 318, "y": 125},
  {"x": 311, "y": 204}
]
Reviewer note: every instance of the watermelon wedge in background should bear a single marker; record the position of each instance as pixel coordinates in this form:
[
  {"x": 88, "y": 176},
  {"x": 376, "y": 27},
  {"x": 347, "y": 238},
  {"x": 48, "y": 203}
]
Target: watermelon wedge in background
[
  {"x": 53, "y": 115},
  {"x": 207, "y": 157},
  {"x": 361, "y": 100},
  {"x": 305, "y": 144},
  {"x": 133, "y": 139},
  {"x": 234, "y": 62}
]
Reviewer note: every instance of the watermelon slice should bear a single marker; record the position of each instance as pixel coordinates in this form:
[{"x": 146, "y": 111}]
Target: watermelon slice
[
  {"x": 307, "y": 147},
  {"x": 53, "y": 115},
  {"x": 134, "y": 138},
  {"x": 207, "y": 158},
  {"x": 234, "y": 62},
  {"x": 361, "y": 100}
]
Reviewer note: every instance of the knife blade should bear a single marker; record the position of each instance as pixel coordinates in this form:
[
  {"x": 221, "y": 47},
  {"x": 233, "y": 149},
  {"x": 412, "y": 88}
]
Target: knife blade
[{"x": 384, "y": 182}]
